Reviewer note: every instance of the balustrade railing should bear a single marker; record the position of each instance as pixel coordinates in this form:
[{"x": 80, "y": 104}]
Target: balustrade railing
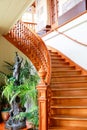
[
  {"x": 31, "y": 25},
  {"x": 32, "y": 45}
]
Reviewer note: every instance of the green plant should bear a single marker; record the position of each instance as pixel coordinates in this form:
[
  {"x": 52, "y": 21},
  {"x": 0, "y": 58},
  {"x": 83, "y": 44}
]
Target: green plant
[
  {"x": 26, "y": 91},
  {"x": 3, "y": 100},
  {"x": 31, "y": 116}
]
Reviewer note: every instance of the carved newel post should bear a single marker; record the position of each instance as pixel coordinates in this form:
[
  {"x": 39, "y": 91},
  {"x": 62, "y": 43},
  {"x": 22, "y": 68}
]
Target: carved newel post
[{"x": 42, "y": 101}]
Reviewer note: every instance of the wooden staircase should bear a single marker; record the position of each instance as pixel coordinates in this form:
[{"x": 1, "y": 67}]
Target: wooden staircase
[
  {"x": 69, "y": 95},
  {"x": 63, "y": 89}
]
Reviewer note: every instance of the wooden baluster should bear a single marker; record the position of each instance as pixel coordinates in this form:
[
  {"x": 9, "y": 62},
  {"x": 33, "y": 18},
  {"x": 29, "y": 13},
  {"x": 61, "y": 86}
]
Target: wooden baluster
[{"x": 42, "y": 102}]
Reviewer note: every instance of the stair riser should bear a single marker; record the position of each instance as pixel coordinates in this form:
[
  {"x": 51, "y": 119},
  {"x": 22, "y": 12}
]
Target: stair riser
[
  {"x": 69, "y": 102},
  {"x": 66, "y": 122},
  {"x": 69, "y": 85},
  {"x": 65, "y": 73},
  {"x": 68, "y": 128},
  {"x": 58, "y": 58},
  {"x": 59, "y": 61},
  {"x": 58, "y": 69},
  {"x": 65, "y": 79},
  {"x": 69, "y": 92},
  {"x": 61, "y": 66},
  {"x": 74, "y": 112},
  {"x": 65, "y": 64},
  {"x": 56, "y": 61}
]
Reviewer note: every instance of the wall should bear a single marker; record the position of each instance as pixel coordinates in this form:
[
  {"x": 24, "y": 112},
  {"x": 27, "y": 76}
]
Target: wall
[
  {"x": 7, "y": 53},
  {"x": 72, "y": 41},
  {"x": 71, "y": 49}
]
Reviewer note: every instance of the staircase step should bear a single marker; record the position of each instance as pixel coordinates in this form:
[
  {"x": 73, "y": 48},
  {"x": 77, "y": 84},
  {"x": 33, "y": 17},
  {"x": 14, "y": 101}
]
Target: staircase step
[
  {"x": 76, "y": 84},
  {"x": 67, "y": 107},
  {"x": 69, "y": 101},
  {"x": 68, "y": 78},
  {"x": 75, "y": 112},
  {"x": 59, "y": 61},
  {"x": 70, "y": 92},
  {"x": 67, "y": 117},
  {"x": 58, "y": 58},
  {"x": 66, "y": 72},
  {"x": 60, "y": 64},
  {"x": 68, "y": 128},
  {"x": 54, "y": 61},
  {"x": 55, "y": 54},
  {"x": 65, "y": 121},
  {"x": 62, "y": 68},
  {"x": 69, "y": 97}
]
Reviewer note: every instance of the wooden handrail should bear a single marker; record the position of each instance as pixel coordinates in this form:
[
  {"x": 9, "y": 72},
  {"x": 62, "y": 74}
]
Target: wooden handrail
[{"x": 31, "y": 25}]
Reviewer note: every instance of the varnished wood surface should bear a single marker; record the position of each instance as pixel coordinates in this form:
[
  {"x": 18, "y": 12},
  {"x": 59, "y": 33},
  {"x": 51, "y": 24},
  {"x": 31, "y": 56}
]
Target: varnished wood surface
[{"x": 68, "y": 95}]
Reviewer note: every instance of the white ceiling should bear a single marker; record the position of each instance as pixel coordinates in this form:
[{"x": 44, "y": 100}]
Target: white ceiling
[{"x": 10, "y": 12}]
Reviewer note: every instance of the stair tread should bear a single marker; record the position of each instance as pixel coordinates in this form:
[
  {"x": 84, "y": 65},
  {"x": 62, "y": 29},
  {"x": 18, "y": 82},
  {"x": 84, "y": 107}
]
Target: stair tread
[
  {"x": 68, "y": 128},
  {"x": 77, "y": 107},
  {"x": 67, "y": 70},
  {"x": 68, "y": 82},
  {"x": 68, "y": 89},
  {"x": 67, "y": 117},
  {"x": 69, "y": 97},
  {"x": 62, "y": 67},
  {"x": 69, "y": 76}
]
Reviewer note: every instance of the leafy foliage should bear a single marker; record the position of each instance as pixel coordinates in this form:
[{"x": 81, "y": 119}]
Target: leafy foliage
[{"x": 26, "y": 91}]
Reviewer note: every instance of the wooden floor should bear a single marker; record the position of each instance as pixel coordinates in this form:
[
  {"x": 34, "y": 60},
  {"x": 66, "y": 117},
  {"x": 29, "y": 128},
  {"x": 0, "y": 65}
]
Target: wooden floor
[{"x": 2, "y": 127}]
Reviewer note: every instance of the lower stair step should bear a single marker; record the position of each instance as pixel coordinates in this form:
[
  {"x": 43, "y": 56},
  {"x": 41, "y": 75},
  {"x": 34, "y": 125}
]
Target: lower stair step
[
  {"x": 77, "y": 112},
  {"x": 69, "y": 92},
  {"x": 67, "y": 128},
  {"x": 67, "y": 121},
  {"x": 76, "y": 84},
  {"x": 68, "y": 78},
  {"x": 66, "y": 72},
  {"x": 69, "y": 101}
]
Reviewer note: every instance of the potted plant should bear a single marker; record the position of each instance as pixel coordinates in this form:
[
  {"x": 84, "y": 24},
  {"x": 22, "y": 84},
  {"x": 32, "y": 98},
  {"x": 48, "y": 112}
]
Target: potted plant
[
  {"x": 4, "y": 107},
  {"x": 31, "y": 118},
  {"x": 28, "y": 97},
  {"x": 26, "y": 91}
]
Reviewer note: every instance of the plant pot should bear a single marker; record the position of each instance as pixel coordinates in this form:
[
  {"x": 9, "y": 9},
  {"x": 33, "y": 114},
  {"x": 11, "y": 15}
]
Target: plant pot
[
  {"x": 29, "y": 125},
  {"x": 5, "y": 115}
]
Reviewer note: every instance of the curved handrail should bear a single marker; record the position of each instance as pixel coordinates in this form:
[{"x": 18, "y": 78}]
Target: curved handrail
[{"x": 32, "y": 46}]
